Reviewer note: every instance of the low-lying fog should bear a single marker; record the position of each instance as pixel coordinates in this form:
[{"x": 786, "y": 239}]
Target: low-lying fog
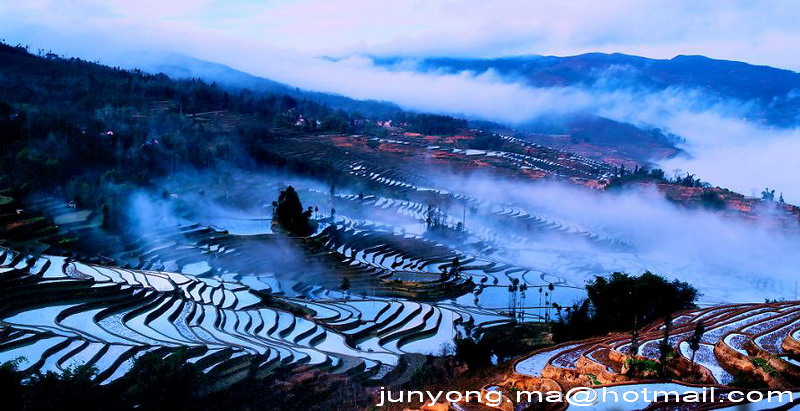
[{"x": 727, "y": 258}]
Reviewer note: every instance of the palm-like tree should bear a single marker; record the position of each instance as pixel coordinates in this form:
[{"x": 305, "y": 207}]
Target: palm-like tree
[
  {"x": 694, "y": 342},
  {"x": 664, "y": 347}
]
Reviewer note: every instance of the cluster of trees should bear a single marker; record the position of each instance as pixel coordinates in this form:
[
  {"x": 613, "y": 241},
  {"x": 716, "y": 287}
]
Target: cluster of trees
[
  {"x": 689, "y": 180},
  {"x": 451, "y": 272},
  {"x": 712, "y": 200},
  {"x": 624, "y": 302},
  {"x": 709, "y": 198},
  {"x": 618, "y": 303},
  {"x": 81, "y": 128},
  {"x": 624, "y": 175},
  {"x": 430, "y": 124},
  {"x": 487, "y": 141},
  {"x": 769, "y": 195}
]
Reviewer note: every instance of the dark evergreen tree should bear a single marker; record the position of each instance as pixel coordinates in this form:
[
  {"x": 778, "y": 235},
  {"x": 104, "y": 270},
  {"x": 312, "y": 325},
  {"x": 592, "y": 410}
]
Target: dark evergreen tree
[{"x": 290, "y": 215}]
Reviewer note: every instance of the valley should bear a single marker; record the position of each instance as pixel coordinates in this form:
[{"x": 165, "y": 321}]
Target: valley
[{"x": 249, "y": 237}]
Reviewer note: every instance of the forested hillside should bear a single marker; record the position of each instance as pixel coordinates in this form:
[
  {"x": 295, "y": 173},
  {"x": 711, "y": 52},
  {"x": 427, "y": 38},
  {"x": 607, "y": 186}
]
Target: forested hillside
[{"x": 87, "y": 131}]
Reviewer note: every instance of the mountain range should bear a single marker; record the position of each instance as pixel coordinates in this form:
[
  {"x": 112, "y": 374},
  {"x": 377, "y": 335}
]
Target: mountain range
[
  {"x": 764, "y": 95},
  {"x": 775, "y": 92}
]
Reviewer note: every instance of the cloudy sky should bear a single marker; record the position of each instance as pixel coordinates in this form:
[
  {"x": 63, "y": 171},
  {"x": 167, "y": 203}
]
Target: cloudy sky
[
  {"x": 284, "y": 40},
  {"x": 754, "y": 31}
]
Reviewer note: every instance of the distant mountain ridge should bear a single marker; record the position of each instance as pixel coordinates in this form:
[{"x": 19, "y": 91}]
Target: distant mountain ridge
[
  {"x": 775, "y": 91},
  {"x": 764, "y": 94},
  {"x": 179, "y": 66}
]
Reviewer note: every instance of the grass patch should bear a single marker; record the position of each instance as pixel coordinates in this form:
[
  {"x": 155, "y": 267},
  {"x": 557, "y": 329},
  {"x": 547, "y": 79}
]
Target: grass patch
[
  {"x": 643, "y": 365},
  {"x": 764, "y": 365}
]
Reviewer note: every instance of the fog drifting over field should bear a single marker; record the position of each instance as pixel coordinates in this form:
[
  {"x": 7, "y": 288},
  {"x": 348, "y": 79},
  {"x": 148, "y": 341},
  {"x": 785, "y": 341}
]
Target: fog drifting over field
[{"x": 727, "y": 259}]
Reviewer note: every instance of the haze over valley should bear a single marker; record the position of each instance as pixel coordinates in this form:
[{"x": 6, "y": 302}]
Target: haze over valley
[{"x": 291, "y": 204}]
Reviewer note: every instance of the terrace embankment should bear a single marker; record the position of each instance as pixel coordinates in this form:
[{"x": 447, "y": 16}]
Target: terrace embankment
[{"x": 744, "y": 345}]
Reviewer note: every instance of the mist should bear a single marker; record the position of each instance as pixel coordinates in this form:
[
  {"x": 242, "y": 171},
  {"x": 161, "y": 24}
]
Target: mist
[
  {"x": 729, "y": 259},
  {"x": 722, "y": 145},
  {"x": 235, "y": 202},
  {"x": 723, "y": 148}
]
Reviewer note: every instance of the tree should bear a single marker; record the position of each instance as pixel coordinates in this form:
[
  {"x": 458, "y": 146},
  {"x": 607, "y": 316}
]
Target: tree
[
  {"x": 694, "y": 341},
  {"x": 512, "y": 297},
  {"x": 76, "y": 385},
  {"x": 345, "y": 285},
  {"x": 768, "y": 195},
  {"x": 633, "y": 351},
  {"x": 290, "y": 215},
  {"x": 576, "y": 324},
  {"x": 11, "y": 381},
  {"x": 455, "y": 268},
  {"x": 161, "y": 383},
  {"x": 664, "y": 348}
]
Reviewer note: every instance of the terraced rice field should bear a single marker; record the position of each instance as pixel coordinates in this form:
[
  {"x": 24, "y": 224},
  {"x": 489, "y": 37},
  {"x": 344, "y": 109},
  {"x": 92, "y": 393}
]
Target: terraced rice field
[
  {"x": 735, "y": 335},
  {"x": 102, "y": 298},
  {"x": 222, "y": 285}
]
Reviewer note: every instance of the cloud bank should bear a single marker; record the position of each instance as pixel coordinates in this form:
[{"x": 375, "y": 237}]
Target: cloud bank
[
  {"x": 759, "y": 32},
  {"x": 727, "y": 259}
]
